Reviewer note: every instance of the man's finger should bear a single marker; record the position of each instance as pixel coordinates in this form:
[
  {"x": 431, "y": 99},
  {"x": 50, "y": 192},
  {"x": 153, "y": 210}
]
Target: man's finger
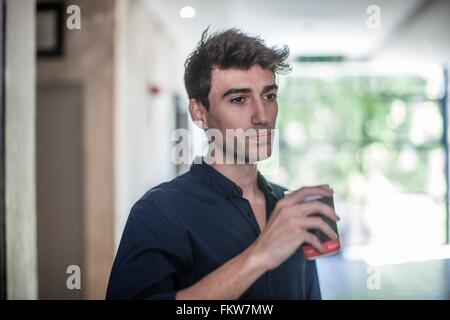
[
  {"x": 313, "y": 241},
  {"x": 312, "y": 207},
  {"x": 319, "y": 224},
  {"x": 300, "y": 194}
]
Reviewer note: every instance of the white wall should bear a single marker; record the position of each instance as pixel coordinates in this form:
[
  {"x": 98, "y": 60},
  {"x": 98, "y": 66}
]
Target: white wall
[
  {"x": 143, "y": 122},
  {"x": 20, "y": 186}
]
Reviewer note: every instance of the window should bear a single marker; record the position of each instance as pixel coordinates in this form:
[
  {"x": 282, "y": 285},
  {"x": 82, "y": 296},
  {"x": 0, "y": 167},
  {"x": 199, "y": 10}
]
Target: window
[{"x": 378, "y": 140}]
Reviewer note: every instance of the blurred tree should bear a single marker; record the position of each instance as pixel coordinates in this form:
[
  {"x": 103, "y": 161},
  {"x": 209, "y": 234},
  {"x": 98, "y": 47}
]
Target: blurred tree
[{"x": 350, "y": 128}]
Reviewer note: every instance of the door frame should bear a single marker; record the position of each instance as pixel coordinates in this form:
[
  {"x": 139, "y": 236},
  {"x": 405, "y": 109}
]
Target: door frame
[{"x": 2, "y": 153}]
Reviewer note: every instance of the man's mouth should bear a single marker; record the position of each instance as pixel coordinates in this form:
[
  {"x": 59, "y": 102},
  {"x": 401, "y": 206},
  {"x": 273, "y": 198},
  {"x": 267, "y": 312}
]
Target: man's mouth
[
  {"x": 263, "y": 136},
  {"x": 263, "y": 132}
]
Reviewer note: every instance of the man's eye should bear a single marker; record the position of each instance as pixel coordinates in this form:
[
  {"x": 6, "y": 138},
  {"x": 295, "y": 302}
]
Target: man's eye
[
  {"x": 238, "y": 100},
  {"x": 271, "y": 96}
]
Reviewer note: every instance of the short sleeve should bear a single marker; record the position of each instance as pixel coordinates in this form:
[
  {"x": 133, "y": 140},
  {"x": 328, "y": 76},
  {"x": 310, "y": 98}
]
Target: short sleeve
[{"x": 151, "y": 256}]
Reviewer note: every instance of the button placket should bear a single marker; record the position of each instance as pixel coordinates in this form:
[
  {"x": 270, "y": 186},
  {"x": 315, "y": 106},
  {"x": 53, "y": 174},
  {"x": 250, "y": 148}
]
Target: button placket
[{"x": 247, "y": 213}]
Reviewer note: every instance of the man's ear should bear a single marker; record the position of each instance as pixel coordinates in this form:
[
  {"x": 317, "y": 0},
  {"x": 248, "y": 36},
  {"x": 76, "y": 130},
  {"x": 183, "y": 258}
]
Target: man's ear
[{"x": 198, "y": 113}]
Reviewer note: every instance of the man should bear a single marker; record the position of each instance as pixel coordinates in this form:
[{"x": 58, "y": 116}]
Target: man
[{"x": 221, "y": 231}]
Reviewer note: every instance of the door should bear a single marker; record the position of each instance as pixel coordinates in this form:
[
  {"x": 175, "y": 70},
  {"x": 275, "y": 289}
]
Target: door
[{"x": 59, "y": 185}]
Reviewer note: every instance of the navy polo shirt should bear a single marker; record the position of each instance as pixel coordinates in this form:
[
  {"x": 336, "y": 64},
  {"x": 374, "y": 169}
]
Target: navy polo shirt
[{"x": 182, "y": 230}]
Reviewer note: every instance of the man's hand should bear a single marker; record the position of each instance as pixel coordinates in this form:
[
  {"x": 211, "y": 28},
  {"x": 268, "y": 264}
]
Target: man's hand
[{"x": 287, "y": 228}]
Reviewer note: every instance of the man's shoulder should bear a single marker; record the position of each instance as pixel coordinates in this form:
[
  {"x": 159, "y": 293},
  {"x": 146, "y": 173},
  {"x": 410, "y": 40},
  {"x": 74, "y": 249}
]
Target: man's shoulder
[
  {"x": 164, "y": 197},
  {"x": 155, "y": 219},
  {"x": 165, "y": 191}
]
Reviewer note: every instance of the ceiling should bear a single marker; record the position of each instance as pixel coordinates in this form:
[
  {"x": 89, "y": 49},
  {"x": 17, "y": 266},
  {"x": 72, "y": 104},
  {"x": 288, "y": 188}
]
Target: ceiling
[{"x": 308, "y": 27}]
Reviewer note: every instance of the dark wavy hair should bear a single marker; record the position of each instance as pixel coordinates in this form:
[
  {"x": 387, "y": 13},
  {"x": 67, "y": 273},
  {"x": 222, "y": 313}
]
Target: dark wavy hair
[{"x": 229, "y": 49}]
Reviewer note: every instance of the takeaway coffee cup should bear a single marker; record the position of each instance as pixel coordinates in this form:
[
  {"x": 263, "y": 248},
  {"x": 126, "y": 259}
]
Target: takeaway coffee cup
[{"x": 331, "y": 246}]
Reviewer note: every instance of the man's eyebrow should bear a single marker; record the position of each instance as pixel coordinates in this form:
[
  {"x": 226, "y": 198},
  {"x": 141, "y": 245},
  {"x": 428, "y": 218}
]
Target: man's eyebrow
[
  {"x": 270, "y": 88},
  {"x": 248, "y": 90},
  {"x": 236, "y": 90}
]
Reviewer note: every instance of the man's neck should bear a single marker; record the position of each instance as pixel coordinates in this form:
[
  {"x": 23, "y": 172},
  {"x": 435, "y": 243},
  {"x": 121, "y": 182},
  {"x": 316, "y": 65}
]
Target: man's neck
[{"x": 244, "y": 175}]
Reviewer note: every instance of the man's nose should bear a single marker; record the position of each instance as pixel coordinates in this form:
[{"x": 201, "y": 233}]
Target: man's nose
[{"x": 260, "y": 115}]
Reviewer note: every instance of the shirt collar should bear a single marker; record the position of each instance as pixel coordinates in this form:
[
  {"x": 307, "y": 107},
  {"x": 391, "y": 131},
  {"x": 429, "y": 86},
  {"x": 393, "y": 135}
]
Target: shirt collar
[{"x": 227, "y": 187}]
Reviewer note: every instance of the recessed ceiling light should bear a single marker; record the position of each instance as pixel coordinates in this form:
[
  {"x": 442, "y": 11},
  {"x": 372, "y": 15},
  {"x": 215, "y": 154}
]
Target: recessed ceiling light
[{"x": 187, "y": 12}]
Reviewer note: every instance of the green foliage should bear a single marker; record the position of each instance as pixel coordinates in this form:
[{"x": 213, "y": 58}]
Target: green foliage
[{"x": 357, "y": 126}]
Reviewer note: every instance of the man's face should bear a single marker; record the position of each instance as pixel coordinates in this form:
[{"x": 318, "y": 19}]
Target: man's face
[{"x": 244, "y": 99}]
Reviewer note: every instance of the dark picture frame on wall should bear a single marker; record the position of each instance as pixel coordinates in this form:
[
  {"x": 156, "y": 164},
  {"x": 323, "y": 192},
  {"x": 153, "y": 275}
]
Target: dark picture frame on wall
[{"x": 50, "y": 29}]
